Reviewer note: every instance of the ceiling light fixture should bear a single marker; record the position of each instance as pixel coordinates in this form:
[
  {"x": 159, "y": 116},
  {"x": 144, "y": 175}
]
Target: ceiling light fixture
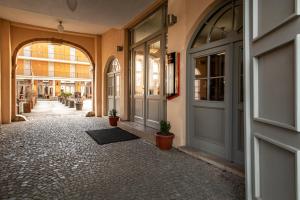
[
  {"x": 72, "y": 4},
  {"x": 60, "y": 27}
]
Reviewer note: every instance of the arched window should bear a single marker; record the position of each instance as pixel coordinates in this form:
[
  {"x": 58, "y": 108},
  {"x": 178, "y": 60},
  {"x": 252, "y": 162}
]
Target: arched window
[
  {"x": 114, "y": 66},
  {"x": 225, "y": 22}
]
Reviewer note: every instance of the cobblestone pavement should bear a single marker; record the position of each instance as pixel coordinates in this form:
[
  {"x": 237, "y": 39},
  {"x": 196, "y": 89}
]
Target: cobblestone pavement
[{"x": 51, "y": 157}]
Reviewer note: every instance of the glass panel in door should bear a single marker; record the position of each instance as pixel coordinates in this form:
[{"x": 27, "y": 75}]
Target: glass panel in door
[
  {"x": 110, "y": 92},
  {"x": 153, "y": 97},
  {"x": 139, "y": 84}
]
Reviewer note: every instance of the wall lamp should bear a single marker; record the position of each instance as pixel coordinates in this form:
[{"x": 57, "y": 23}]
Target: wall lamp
[{"x": 172, "y": 19}]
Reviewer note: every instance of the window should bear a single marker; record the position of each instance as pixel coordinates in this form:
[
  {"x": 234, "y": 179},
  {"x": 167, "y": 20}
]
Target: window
[
  {"x": 27, "y": 68},
  {"x": 114, "y": 66},
  {"x": 72, "y": 54},
  {"x": 224, "y": 23},
  {"x": 139, "y": 72},
  {"x": 151, "y": 25},
  {"x": 209, "y": 77},
  {"x": 27, "y": 51},
  {"x": 154, "y": 68},
  {"x": 72, "y": 71},
  {"x": 51, "y": 69},
  {"x": 50, "y": 51}
]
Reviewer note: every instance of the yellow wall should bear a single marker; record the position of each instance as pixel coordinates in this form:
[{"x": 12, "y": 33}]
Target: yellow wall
[
  {"x": 189, "y": 14},
  {"x": 110, "y": 40}
]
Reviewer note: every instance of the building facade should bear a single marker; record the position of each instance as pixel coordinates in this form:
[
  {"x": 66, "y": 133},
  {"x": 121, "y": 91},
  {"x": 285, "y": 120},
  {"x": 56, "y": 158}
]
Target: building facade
[{"x": 45, "y": 70}]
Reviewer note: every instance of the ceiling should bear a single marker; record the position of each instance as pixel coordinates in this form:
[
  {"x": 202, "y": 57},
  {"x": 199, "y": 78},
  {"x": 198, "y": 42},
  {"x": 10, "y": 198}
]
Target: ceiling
[{"x": 91, "y": 16}]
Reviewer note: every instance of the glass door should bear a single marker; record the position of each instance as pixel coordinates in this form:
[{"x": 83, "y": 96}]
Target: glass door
[
  {"x": 139, "y": 84},
  {"x": 154, "y": 97}
]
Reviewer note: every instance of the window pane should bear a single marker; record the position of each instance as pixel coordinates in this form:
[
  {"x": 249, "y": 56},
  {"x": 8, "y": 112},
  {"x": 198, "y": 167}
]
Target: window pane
[
  {"x": 217, "y": 65},
  {"x": 154, "y": 68},
  {"x": 117, "y": 85},
  {"x": 139, "y": 72},
  {"x": 223, "y": 27},
  {"x": 200, "y": 89},
  {"x": 201, "y": 67},
  {"x": 149, "y": 26},
  {"x": 216, "y": 89},
  {"x": 221, "y": 24}
]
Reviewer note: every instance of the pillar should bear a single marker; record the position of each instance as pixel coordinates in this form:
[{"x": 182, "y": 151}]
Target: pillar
[
  {"x": 6, "y": 73},
  {"x": 97, "y": 82}
]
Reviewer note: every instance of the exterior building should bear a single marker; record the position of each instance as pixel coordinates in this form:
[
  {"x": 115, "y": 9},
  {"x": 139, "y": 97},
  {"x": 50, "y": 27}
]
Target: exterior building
[
  {"x": 46, "y": 70},
  {"x": 238, "y": 84}
]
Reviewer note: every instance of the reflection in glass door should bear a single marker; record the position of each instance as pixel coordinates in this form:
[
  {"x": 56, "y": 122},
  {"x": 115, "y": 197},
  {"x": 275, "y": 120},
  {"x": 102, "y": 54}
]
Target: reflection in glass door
[
  {"x": 138, "y": 82},
  {"x": 153, "y": 96}
]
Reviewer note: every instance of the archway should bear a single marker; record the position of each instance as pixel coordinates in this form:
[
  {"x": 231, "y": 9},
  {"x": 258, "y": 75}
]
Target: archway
[
  {"x": 76, "y": 77},
  {"x": 215, "y": 83}
]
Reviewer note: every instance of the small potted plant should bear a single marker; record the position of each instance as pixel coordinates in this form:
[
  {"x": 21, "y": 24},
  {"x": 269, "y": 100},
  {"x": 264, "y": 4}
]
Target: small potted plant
[
  {"x": 113, "y": 118},
  {"x": 78, "y": 103},
  {"x": 164, "y": 139}
]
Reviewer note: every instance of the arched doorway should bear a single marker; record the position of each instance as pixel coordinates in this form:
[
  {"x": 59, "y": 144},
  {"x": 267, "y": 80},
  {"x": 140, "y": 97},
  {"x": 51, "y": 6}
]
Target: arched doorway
[
  {"x": 113, "y": 86},
  {"x": 215, "y": 80},
  {"x": 46, "y": 69}
]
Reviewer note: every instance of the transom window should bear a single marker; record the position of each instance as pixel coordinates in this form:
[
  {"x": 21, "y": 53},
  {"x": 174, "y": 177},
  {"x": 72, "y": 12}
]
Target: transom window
[
  {"x": 209, "y": 77},
  {"x": 224, "y": 23},
  {"x": 114, "y": 66}
]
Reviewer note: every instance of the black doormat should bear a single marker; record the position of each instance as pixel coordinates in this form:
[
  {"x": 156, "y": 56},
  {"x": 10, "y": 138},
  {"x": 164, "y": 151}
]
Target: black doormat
[{"x": 106, "y": 136}]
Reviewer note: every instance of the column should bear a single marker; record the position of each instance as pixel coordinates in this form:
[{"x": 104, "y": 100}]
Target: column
[
  {"x": 97, "y": 80},
  {"x": 6, "y": 74}
]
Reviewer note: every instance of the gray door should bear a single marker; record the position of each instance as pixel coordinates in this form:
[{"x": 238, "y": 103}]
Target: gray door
[
  {"x": 272, "y": 88},
  {"x": 211, "y": 104},
  {"x": 238, "y": 104},
  {"x": 147, "y": 84}
]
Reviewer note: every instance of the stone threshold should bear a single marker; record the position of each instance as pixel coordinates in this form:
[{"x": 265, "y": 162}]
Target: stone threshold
[
  {"x": 214, "y": 160},
  {"x": 139, "y": 130},
  {"x": 148, "y": 134}
]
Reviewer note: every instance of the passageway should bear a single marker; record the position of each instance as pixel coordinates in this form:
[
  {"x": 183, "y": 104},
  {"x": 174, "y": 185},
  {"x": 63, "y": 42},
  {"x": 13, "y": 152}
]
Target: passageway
[{"x": 51, "y": 157}]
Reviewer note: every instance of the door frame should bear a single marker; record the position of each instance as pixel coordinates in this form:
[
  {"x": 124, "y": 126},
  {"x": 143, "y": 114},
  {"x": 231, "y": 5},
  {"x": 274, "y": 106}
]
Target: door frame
[{"x": 144, "y": 44}]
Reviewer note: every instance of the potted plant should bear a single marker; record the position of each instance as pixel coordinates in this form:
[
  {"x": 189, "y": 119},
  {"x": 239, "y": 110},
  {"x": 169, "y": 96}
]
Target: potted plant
[
  {"x": 78, "y": 103},
  {"x": 164, "y": 139},
  {"x": 113, "y": 118}
]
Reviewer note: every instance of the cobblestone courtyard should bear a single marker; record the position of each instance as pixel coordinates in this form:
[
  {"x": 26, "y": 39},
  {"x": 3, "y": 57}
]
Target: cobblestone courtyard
[{"x": 51, "y": 157}]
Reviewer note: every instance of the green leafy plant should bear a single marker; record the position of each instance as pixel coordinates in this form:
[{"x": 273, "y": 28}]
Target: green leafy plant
[
  {"x": 165, "y": 127},
  {"x": 113, "y": 113}
]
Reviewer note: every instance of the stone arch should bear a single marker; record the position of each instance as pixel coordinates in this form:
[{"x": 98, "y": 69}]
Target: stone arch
[{"x": 46, "y": 40}]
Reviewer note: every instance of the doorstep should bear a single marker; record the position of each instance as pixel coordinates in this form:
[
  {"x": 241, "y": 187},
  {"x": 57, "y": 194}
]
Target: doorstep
[
  {"x": 214, "y": 160},
  {"x": 137, "y": 129}
]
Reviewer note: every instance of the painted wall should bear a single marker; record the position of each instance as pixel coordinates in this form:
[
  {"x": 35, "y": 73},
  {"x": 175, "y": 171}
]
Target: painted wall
[
  {"x": 189, "y": 14},
  {"x": 110, "y": 40},
  {"x": 6, "y": 70}
]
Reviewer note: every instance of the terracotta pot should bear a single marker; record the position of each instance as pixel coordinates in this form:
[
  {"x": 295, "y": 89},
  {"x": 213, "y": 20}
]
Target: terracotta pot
[
  {"x": 113, "y": 121},
  {"x": 71, "y": 104},
  {"x": 164, "y": 142},
  {"x": 78, "y": 106}
]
